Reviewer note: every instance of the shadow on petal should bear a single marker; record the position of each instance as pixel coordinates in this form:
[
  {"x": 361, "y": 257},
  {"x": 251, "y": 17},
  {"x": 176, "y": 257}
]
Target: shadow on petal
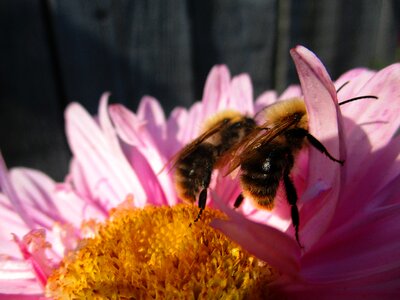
[{"x": 265, "y": 242}]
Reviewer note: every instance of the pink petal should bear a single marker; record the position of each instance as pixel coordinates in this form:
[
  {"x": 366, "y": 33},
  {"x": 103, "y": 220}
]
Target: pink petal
[
  {"x": 74, "y": 209},
  {"x": 38, "y": 192},
  {"x": 176, "y": 131},
  {"x": 111, "y": 178},
  {"x": 17, "y": 295},
  {"x": 364, "y": 252},
  {"x": 377, "y": 120},
  {"x": 291, "y": 92},
  {"x": 196, "y": 119},
  {"x": 380, "y": 169},
  {"x": 49, "y": 203},
  {"x": 64, "y": 238},
  {"x": 151, "y": 111},
  {"x": 324, "y": 123},
  {"x": 142, "y": 141},
  {"x": 241, "y": 95},
  {"x": 386, "y": 290},
  {"x": 388, "y": 195},
  {"x": 149, "y": 180},
  {"x": 351, "y": 90},
  {"x": 77, "y": 185},
  {"x": 355, "y": 79},
  {"x": 216, "y": 89},
  {"x": 263, "y": 241},
  {"x": 105, "y": 123},
  {"x": 33, "y": 247},
  {"x": 8, "y": 189},
  {"x": 16, "y": 277},
  {"x": 265, "y": 99},
  {"x": 43, "y": 203},
  {"x": 226, "y": 187},
  {"x": 14, "y": 224},
  {"x": 128, "y": 126}
]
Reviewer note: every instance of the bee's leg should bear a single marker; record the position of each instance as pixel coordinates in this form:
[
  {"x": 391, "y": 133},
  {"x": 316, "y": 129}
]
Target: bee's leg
[
  {"x": 238, "y": 201},
  {"x": 291, "y": 195},
  {"x": 320, "y": 147},
  {"x": 202, "y": 203}
]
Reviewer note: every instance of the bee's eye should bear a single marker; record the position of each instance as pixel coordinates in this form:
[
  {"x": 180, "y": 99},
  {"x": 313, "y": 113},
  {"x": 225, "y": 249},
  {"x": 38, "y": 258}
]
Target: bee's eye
[{"x": 297, "y": 116}]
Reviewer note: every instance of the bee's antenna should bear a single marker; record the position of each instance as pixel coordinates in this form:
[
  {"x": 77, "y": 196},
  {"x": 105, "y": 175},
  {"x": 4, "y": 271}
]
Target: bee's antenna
[
  {"x": 355, "y": 98},
  {"x": 358, "y": 98},
  {"x": 342, "y": 86}
]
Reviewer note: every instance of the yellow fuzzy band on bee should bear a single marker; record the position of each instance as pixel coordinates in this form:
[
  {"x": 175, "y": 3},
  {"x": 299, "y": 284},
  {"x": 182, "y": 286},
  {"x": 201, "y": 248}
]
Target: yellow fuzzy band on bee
[
  {"x": 214, "y": 120},
  {"x": 282, "y": 109}
]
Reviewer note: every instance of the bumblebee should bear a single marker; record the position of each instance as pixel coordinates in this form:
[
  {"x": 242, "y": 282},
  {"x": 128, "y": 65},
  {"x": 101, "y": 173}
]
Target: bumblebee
[
  {"x": 266, "y": 159},
  {"x": 195, "y": 162}
]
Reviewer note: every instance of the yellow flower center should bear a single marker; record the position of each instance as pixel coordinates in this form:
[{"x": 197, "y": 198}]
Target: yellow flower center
[{"x": 158, "y": 252}]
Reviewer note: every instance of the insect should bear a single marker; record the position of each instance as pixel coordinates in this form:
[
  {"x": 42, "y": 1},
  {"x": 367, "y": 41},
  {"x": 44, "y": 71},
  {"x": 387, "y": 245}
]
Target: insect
[
  {"x": 266, "y": 159},
  {"x": 195, "y": 162}
]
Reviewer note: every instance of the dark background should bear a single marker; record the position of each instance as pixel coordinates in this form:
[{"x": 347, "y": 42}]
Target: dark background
[{"x": 54, "y": 52}]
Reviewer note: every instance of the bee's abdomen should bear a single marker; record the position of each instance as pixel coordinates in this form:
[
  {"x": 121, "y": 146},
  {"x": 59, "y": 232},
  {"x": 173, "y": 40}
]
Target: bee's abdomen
[
  {"x": 261, "y": 175},
  {"x": 193, "y": 172}
]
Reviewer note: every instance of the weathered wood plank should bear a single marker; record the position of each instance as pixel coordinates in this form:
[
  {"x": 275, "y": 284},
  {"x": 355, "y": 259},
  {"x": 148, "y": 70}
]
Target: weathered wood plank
[
  {"x": 238, "y": 33},
  {"x": 31, "y": 120},
  {"x": 346, "y": 34},
  {"x": 130, "y": 48}
]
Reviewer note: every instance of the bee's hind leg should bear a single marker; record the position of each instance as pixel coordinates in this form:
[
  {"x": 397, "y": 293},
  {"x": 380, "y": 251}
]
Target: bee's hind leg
[
  {"x": 292, "y": 197},
  {"x": 202, "y": 203},
  {"x": 238, "y": 201}
]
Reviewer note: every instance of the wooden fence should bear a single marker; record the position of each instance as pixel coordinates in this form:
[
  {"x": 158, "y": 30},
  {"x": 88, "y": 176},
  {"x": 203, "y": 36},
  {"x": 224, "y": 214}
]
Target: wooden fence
[{"x": 54, "y": 52}]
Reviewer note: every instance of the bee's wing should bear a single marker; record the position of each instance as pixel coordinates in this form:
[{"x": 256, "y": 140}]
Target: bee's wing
[
  {"x": 189, "y": 148},
  {"x": 246, "y": 148},
  {"x": 233, "y": 152}
]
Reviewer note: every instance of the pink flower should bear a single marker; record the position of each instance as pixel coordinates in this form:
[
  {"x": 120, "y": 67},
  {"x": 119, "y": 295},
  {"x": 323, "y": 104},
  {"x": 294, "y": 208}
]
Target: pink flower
[
  {"x": 120, "y": 153},
  {"x": 117, "y": 154},
  {"x": 349, "y": 216}
]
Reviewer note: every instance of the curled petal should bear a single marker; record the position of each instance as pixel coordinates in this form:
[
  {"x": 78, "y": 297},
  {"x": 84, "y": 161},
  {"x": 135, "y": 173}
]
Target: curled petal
[
  {"x": 129, "y": 127},
  {"x": 105, "y": 124},
  {"x": 324, "y": 124},
  {"x": 151, "y": 112}
]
